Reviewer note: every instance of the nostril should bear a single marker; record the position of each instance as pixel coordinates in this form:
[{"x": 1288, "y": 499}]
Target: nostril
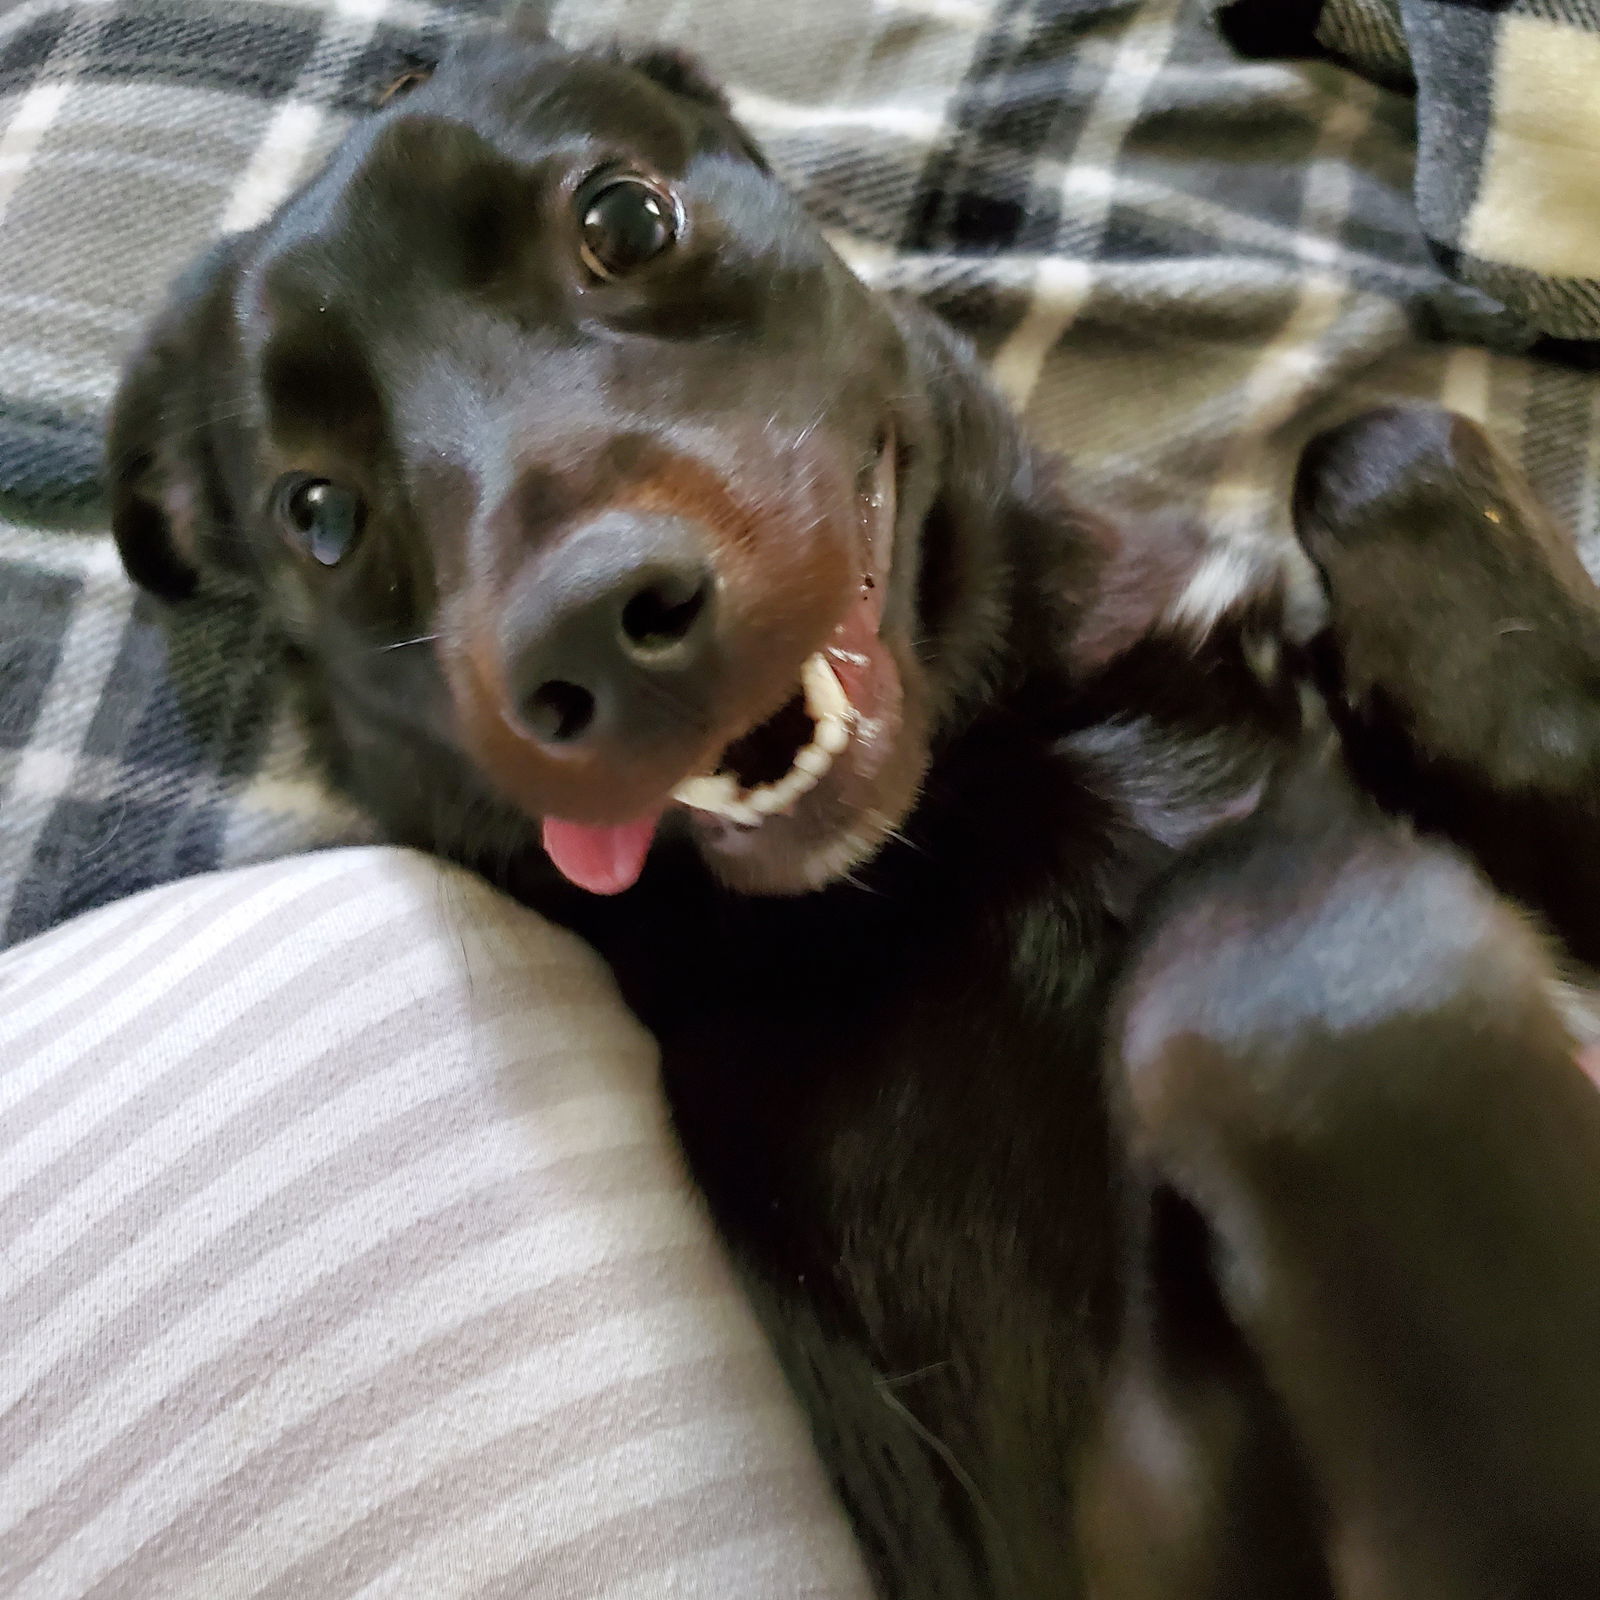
[
  {"x": 558, "y": 712},
  {"x": 662, "y": 615}
]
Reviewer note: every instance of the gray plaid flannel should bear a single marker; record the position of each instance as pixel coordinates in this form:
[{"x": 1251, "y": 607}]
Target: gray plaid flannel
[
  {"x": 1508, "y": 136},
  {"x": 1177, "y": 262}
]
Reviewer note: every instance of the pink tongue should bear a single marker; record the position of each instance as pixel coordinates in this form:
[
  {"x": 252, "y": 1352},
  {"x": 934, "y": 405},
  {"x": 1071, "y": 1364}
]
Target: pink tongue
[{"x": 601, "y": 860}]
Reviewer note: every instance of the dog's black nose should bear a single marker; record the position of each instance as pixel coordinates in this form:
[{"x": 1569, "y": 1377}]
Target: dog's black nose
[{"x": 611, "y": 637}]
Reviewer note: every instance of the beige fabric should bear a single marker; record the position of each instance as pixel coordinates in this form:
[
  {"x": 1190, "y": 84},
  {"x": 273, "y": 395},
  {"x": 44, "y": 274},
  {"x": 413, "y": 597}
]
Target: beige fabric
[
  {"x": 344, "y": 1253},
  {"x": 1537, "y": 206}
]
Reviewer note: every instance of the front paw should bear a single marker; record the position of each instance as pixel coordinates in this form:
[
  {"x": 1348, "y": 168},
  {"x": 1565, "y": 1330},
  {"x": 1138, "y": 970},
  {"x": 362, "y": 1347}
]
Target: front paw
[{"x": 1458, "y": 607}]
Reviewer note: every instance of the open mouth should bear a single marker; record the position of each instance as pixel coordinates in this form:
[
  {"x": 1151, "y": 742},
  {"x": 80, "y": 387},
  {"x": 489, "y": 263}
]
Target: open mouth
[
  {"x": 798, "y": 797},
  {"x": 768, "y": 770}
]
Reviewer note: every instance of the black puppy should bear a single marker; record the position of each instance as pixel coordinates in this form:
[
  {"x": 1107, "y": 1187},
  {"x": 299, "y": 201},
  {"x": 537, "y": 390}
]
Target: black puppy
[{"x": 1161, "y": 1174}]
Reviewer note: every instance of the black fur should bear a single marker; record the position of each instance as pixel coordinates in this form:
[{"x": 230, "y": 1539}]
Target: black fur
[{"x": 1095, "y": 1093}]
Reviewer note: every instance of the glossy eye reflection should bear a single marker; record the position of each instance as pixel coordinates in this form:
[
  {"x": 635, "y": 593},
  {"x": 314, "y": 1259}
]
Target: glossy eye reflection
[
  {"x": 322, "y": 517},
  {"x": 625, "y": 222}
]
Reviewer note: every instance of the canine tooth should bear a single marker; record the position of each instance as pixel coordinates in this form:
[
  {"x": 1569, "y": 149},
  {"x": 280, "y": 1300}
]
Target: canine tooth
[
  {"x": 813, "y": 760},
  {"x": 832, "y": 735},
  {"x": 825, "y": 697}
]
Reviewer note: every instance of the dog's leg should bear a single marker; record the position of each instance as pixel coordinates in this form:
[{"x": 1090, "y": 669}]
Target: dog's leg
[
  {"x": 1339, "y": 1062},
  {"x": 1466, "y": 651},
  {"x": 1195, "y": 1490}
]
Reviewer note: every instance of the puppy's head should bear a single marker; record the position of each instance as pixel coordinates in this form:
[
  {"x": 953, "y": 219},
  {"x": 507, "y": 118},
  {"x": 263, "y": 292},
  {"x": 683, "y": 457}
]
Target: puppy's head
[{"x": 585, "y": 476}]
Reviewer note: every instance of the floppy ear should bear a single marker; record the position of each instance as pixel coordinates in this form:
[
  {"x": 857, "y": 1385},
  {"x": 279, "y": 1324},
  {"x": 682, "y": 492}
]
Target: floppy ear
[
  {"x": 681, "y": 74},
  {"x": 161, "y": 474}
]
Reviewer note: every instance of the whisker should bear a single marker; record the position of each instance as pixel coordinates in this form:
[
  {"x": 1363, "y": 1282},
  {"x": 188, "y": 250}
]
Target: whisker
[
  {"x": 187, "y": 428},
  {"x": 918, "y": 1372},
  {"x": 948, "y": 1457}
]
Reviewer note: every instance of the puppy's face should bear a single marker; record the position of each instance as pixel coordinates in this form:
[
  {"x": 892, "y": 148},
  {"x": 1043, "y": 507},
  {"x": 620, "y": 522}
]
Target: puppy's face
[{"x": 585, "y": 475}]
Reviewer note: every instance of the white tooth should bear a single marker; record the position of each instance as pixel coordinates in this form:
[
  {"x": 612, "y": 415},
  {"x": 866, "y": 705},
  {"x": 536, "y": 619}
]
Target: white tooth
[
  {"x": 719, "y": 795},
  {"x": 831, "y": 736},
  {"x": 722, "y": 797},
  {"x": 790, "y": 788},
  {"x": 773, "y": 798},
  {"x": 813, "y": 760},
  {"x": 711, "y": 792},
  {"x": 800, "y": 783},
  {"x": 719, "y": 792},
  {"x": 797, "y": 784},
  {"x": 824, "y": 695}
]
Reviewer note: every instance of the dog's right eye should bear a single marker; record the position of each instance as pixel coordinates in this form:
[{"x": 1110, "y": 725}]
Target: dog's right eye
[
  {"x": 322, "y": 517},
  {"x": 624, "y": 222}
]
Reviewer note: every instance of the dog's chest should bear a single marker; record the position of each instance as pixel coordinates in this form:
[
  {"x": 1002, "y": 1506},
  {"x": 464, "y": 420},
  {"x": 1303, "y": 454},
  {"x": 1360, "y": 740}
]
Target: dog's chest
[{"x": 892, "y": 1105}]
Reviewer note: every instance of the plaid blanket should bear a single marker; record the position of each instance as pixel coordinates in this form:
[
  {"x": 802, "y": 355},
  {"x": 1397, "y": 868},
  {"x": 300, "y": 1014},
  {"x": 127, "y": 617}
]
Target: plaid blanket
[
  {"x": 1508, "y": 153},
  {"x": 1178, "y": 262}
]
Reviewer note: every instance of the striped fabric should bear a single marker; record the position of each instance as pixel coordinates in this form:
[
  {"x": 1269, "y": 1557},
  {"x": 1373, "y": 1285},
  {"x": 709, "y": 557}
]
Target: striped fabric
[{"x": 345, "y": 1254}]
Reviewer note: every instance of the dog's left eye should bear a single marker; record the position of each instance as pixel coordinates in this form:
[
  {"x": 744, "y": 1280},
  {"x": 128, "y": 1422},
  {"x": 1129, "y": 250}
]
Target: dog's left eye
[
  {"x": 321, "y": 516},
  {"x": 624, "y": 222}
]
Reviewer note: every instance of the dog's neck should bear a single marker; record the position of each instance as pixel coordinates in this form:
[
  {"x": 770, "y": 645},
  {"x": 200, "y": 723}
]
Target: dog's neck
[
  {"x": 1094, "y": 699},
  {"x": 1006, "y": 569}
]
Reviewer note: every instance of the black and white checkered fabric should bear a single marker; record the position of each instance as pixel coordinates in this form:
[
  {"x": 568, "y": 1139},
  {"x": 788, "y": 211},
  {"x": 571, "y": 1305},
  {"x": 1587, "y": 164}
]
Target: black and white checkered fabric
[
  {"x": 1508, "y": 150},
  {"x": 1178, "y": 261}
]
